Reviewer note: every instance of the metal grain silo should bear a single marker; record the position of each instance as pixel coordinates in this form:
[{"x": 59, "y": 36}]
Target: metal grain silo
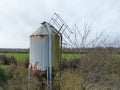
[{"x": 45, "y": 48}]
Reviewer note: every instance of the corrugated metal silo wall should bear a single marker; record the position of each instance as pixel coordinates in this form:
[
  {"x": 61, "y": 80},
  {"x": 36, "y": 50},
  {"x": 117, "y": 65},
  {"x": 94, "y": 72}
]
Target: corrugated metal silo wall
[
  {"x": 57, "y": 53},
  {"x": 39, "y": 52}
]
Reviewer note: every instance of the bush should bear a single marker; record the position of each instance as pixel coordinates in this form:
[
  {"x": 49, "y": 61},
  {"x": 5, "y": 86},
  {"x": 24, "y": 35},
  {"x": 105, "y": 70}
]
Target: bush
[
  {"x": 9, "y": 71},
  {"x": 12, "y": 60},
  {"x": 3, "y": 59},
  {"x": 70, "y": 64},
  {"x": 26, "y": 63},
  {"x": 65, "y": 64},
  {"x": 2, "y": 75},
  {"x": 75, "y": 63},
  {"x": 7, "y": 60},
  {"x": 99, "y": 69}
]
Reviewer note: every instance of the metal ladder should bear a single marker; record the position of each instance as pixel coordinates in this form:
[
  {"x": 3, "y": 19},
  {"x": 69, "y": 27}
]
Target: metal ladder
[{"x": 59, "y": 24}]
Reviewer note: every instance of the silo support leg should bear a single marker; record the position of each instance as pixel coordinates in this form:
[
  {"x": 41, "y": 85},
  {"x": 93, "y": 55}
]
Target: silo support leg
[{"x": 29, "y": 79}]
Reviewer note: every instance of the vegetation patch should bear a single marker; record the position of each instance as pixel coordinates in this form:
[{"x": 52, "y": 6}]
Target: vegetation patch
[{"x": 18, "y": 56}]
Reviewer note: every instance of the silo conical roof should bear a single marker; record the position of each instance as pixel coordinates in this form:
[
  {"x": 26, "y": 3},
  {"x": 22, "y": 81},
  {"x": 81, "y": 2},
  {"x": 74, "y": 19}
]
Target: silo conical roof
[{"x": 42, "y": 30}]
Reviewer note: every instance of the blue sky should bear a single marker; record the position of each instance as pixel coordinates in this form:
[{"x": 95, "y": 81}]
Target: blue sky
[{"x": 20, "y": 18}]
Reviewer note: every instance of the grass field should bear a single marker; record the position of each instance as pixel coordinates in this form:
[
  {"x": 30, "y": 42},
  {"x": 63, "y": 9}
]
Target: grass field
[
  {"x": 18, "y": 56},
  {"x": 72, "y": 56},
  {"x": 23, "y": 56}
]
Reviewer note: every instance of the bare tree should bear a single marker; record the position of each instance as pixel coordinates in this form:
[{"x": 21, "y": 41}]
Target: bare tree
[{"x": 81, "y": 39}]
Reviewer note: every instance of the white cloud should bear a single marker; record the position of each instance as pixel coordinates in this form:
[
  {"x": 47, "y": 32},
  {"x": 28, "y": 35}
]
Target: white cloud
[{"x": 19, "y": 18}]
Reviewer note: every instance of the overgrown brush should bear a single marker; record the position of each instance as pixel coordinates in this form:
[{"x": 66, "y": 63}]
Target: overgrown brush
[
  {"x": 5, "y": 60},
  {"x": 99, "y": 70}
]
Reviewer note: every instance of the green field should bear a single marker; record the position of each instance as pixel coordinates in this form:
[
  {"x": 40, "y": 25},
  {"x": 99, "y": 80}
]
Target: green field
[
  {"x": 72, "y": 56},
  {"x": 18, "y": 56},
  {"x": 23, "y": 56}
]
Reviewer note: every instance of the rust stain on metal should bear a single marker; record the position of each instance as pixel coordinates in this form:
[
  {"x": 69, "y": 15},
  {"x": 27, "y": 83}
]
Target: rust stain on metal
[
  {"x": 42, "y": 36},
  {"x": 34, "y": 67}
]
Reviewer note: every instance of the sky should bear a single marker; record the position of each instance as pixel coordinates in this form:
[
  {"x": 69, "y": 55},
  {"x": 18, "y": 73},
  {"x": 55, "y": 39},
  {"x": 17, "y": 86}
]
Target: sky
[{"x": 20, "y": 18}]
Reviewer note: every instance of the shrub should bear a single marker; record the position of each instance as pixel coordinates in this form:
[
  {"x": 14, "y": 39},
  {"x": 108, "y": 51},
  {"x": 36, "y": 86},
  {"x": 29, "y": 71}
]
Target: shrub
[
  {"x": 9, "y": 71},
  {"x": 26, "y": 63},
  {"x": 75, "y": 63},
  {"x": 2, "y": 75},
  {"x": 99, "y": 69},
  {"x": 7, "y": 60},
  {"x": 65, "y": 64},
  {"x": 12, "y": 60},
  {"x": 4, "y": 59}
]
